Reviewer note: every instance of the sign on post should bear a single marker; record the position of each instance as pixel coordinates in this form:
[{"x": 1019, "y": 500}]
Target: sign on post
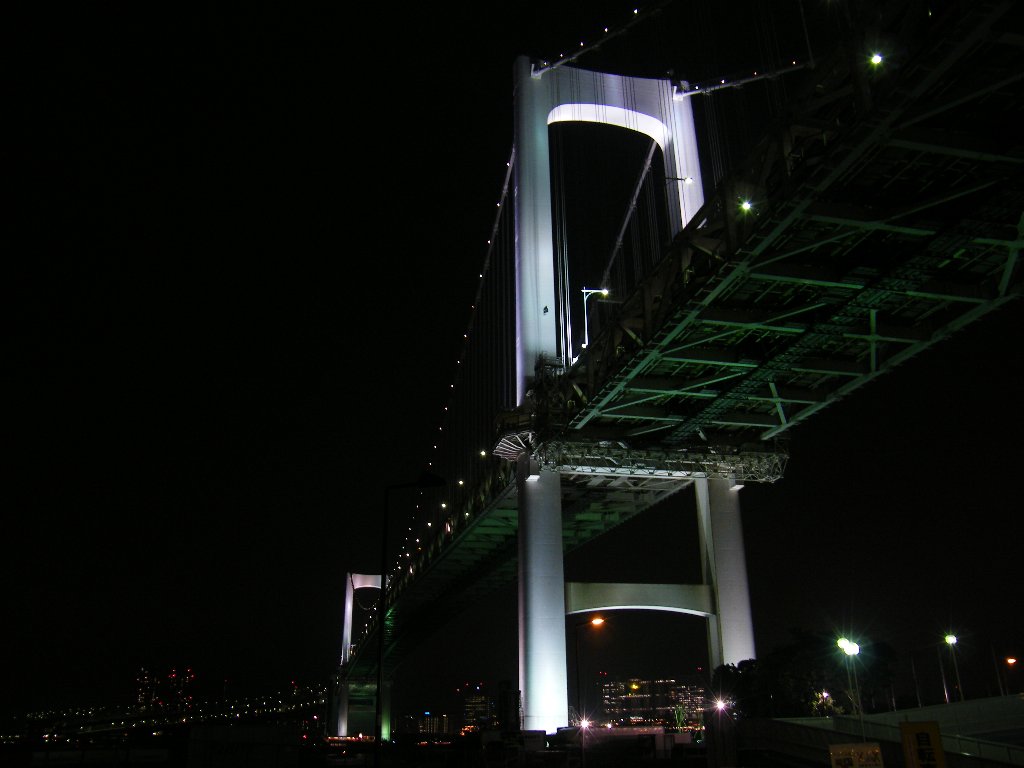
[
  {"x": 922, "y": 745},
  {"x": 865, "y": 754}
]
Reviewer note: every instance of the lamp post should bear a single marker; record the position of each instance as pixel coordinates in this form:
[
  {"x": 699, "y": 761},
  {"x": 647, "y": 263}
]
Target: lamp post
[
  {"x": 951, "y": 642},
  {"x": 852, "y": 649},
  {"x": 587, "y": 293},
  {"x": 583, "y": 721},
  {"x": 597, "y": 621},
  {"x": 426, "y": 480}
]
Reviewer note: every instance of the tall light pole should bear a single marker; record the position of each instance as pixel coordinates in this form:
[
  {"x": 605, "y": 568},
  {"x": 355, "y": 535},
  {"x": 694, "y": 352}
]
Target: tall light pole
[
  {"x": 587, "y": 293},
  {"x": 951, "y": 642},
  {"x": 851, "y": 649},
  {"x": 597, "y": 621},
  {"x": 584, "y": 721}
]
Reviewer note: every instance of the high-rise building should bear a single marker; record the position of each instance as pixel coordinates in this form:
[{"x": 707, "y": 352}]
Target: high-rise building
[
  {"x": 178, "y": 691},
  {"x": 478, "y": 708},
  {"x": 145, "y": 689},
  {"x": 432, "y": 724}
]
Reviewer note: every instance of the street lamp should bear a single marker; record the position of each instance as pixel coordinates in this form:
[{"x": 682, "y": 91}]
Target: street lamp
[
  {"x": 852, "y": 649},
  {"x": 951, "y": 642},
  {"x": 587, "y": 293},
  {"x": 425, "y": 480},
  {"x": 597, "y": 621}
]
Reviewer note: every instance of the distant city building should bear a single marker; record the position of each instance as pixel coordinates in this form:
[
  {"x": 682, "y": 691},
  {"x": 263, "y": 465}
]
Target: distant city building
[
  {"x": 478, "y": 709},
  {"x": 145, "y": 689},
  {"x": 484, "y": 711},
  {"x": 664, "y": 702},
  {"x": 429, "y": 724},
  {"x": 178, "y": 691}
]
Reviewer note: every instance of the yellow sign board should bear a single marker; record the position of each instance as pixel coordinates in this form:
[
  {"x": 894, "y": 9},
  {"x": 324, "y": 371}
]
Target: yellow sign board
[
  {"x": 866, "y": 754},
  {"x": 922, "y": 745}
]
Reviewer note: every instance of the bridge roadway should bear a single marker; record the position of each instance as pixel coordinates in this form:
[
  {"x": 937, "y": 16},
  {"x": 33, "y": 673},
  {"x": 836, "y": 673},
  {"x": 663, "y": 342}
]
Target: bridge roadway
[{"x": 886, "y": 214}]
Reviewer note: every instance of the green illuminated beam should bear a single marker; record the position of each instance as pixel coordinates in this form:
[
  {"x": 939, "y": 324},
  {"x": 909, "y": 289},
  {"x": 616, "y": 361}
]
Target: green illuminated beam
[
  {"x": 874, "y": 226},
  {"x": 741, "y": 419},
  {"x": 786, "y": 395},
  {"x": 830, "y": 367},
  {"x": 805, "y": 275},
  {"x": 945, "y": 291},
  {"x": 670, "y": 386},
  {"x": 748, "y": 320},
  {"x": 723, "y": 357}
]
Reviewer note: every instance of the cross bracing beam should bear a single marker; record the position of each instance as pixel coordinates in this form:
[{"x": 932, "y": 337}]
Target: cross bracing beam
[
  {"x": 706, "y": 356},
  {"x": 610, "y": 459},
  {"x": 582, "y": 597},
  {"x": 670, "y": 386},
  {"x": 803, "y": 274}
]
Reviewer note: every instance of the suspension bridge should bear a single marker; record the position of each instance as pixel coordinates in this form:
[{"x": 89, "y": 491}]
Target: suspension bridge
[{"x": 880, "y": 212}]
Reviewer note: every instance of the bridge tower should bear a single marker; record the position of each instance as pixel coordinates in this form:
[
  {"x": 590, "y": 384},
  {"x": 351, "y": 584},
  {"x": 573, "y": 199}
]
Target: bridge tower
[
  {"x": 353, "y": 697},
  {"x": 658, "y": 109}
]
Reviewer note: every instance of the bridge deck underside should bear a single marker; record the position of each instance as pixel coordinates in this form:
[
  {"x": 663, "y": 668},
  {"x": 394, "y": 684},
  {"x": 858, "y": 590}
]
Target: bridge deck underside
[
  {"x": 864, "y": 245},
  {"x": 886, "y": 215}
]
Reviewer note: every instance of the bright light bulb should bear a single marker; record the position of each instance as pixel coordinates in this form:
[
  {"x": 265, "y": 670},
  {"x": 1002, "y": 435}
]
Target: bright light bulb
[{"x": 876, "y": 59}]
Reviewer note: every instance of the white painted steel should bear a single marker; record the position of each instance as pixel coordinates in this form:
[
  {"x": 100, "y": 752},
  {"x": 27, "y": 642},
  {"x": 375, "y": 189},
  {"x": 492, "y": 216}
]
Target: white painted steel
[{"x": 649, "y": 106}]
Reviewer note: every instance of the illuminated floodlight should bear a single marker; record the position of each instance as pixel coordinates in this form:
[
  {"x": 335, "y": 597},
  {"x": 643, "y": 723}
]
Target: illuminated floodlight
[
  {"x": 849, "y": 647},
  {"x": 746, "y": 205},
  {"x": 720, "y": 705},
  {"x": 584, "y": 723},
  {"x": 876, "y": 59},
  {"x": 950, "y": 639}
]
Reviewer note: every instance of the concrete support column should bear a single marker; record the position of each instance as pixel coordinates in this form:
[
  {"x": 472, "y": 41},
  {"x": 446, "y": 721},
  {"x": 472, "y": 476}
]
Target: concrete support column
[
  {"x": 731, "y": 629},
  {"x": 543, "y": 678},
  {"x": 385, "y": 727},
  {"x": 340, "y": 706}
]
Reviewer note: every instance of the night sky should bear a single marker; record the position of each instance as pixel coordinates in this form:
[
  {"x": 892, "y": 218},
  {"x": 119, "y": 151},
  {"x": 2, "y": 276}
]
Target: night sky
[{"x": 246, "y": 243}]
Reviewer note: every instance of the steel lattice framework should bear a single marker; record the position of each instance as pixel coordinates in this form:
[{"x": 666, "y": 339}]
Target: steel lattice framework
[{"x": 884, "y": 217}]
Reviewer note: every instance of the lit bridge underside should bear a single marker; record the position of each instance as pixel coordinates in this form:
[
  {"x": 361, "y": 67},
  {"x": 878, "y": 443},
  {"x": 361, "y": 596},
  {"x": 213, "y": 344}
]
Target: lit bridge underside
[{"x": 887, "y": 214}]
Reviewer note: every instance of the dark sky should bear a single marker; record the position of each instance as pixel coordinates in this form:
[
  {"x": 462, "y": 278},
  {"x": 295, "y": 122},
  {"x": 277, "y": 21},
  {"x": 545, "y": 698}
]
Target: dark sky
[{"x": 246, "y": 244}]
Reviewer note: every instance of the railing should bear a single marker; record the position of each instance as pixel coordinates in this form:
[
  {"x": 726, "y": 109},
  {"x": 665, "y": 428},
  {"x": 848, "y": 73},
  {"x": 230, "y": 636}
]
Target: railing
[{"x": 853, "y": 729}]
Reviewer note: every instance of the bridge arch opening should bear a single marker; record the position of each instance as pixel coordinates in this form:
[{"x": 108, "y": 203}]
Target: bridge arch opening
[
  {"x": 657, "y": 653},
  {"x": 609, "y": 201}
]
